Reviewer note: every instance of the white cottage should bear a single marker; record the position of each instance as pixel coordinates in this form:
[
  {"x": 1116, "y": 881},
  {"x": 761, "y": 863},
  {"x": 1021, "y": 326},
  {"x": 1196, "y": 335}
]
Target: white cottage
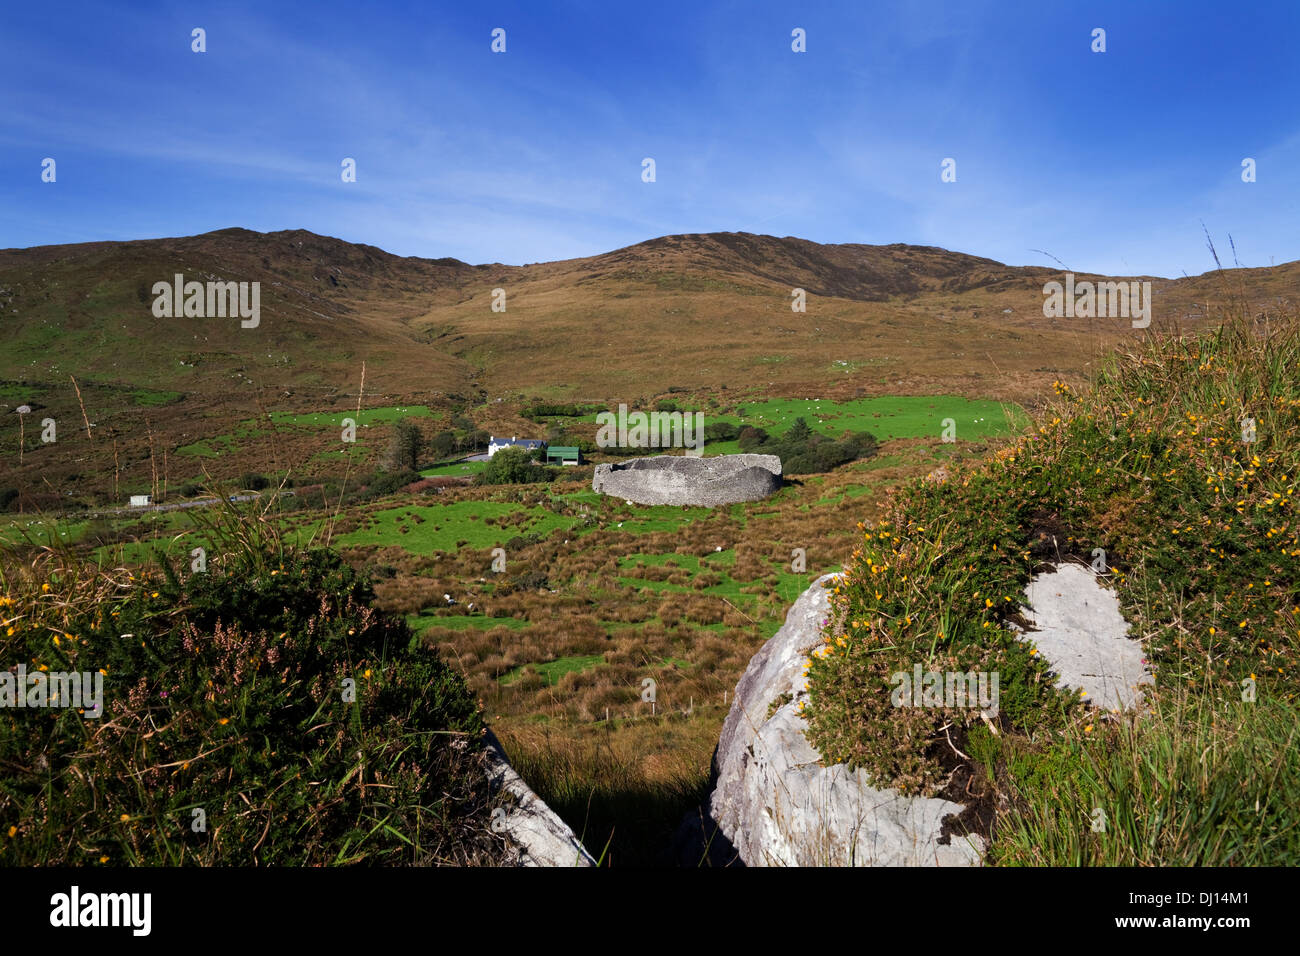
[{"x": 529, "y": 444}]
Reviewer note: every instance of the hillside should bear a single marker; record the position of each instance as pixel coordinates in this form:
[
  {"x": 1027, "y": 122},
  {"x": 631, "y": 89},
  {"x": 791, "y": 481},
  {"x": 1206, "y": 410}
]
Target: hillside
[{"x": 696, "y": 314}]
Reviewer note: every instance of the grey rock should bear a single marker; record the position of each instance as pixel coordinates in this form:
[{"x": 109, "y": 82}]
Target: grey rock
[
  {"x": 536, "y": 836},
  {"x": 687, "y": 480},
  {"x": 779, "y": 806},
  {"x": 1080, "y": 631}
]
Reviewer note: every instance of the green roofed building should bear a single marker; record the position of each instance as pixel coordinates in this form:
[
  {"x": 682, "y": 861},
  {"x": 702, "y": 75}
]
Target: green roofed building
[{"x": 563, "y": 455}]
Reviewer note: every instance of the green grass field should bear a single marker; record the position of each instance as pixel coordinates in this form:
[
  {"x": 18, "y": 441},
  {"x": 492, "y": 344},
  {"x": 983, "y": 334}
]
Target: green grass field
[
  {"x": 331, "y": 421},
  {"x": 448, "y": 527},
  {"x": 364, "y": 419},
  {"x": 422, "y": 622},
  {"x": 458, "y": 469},
  {"x": 890, "y": 416},
  {"x": 887, "y": 417},
  {"x": 149, "y": 397},
  {"x": 552, "y": 671}
]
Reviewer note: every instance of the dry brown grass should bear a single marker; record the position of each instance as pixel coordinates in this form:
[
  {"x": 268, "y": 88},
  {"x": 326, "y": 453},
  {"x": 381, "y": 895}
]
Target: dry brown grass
[{"x": 693, "y": 643}]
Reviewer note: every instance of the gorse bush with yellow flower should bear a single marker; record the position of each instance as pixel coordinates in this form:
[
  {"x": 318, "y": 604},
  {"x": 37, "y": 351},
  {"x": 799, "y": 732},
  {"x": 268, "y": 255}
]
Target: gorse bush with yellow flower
[
  {"x": 1181, "y": 462},
  {"x": 224, "y": 692}
]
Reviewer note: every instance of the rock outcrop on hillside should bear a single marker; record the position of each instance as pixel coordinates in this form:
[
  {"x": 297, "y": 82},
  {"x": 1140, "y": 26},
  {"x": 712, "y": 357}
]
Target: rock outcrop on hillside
[
  {"x": 779, "y": 806},
  {"x": 685, "y": 480}
]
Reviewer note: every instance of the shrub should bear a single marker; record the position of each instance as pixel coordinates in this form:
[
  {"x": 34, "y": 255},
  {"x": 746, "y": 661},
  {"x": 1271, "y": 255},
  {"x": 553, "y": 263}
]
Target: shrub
[
  {"x": 1154, "y": 467},
  {"x": 751, "y": 438},
  {"x": 224, "y": 692},
  {"x": 513, "y": 466},
  {"x": 443, "y": 445},
  {"x": 721, "y": 431},
  {"x": 803, "y": 451},
  {"x": 386, "y": 482}
]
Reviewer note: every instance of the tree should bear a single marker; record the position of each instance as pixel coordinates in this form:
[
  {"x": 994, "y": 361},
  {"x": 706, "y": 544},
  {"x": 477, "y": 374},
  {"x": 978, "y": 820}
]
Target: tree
[
  {"x": 443, "y": 445},
  {"x": 475, "y": 440},
  {"x": 404, "y": 448},
  {"x": 512, "y": 466},
  {"x": 798, "y": 432},
  {"x": 751, "y": 438}
]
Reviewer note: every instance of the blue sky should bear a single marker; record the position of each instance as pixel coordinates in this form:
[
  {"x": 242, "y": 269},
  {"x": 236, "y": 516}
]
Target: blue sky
[{"x": 1108, "y": 161}]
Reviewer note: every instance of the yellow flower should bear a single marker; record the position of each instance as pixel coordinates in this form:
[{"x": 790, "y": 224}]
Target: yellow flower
[
  {"x": 223, "y": 721},
  {"x": 1088, "y": 729},
  {"x": 124, "y": 817},
  {"x": 103, "y": 859},
  {"x": 45, "y": 588},
  {"x": 13, "y": 830}
]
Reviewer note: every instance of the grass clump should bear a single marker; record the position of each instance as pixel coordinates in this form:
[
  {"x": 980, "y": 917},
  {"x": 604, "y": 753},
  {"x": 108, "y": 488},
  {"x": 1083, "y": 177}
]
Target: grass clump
[{"x": 1189, "y": 784}]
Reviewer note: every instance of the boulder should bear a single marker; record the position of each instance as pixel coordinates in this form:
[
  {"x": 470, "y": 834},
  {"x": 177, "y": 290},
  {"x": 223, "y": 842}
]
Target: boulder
[
  {"x": 535, "y": 834},
  {"x": 779, "y": 806},
  {"x": 1077, "y": 626},
  {"x": 687, "y": 480}
]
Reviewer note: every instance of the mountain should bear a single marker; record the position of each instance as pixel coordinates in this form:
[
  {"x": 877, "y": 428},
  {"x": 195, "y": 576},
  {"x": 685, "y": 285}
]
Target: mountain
[{"x": 691, "y": 313}]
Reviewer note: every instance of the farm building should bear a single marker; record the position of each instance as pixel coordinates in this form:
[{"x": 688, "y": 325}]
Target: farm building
[
  {"x": 563, "y": 455},
  {"x": 529, "y": 444}
]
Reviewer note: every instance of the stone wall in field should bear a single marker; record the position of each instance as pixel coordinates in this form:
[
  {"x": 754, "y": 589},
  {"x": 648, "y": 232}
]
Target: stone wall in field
[{"x": 685, "y": 480}]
